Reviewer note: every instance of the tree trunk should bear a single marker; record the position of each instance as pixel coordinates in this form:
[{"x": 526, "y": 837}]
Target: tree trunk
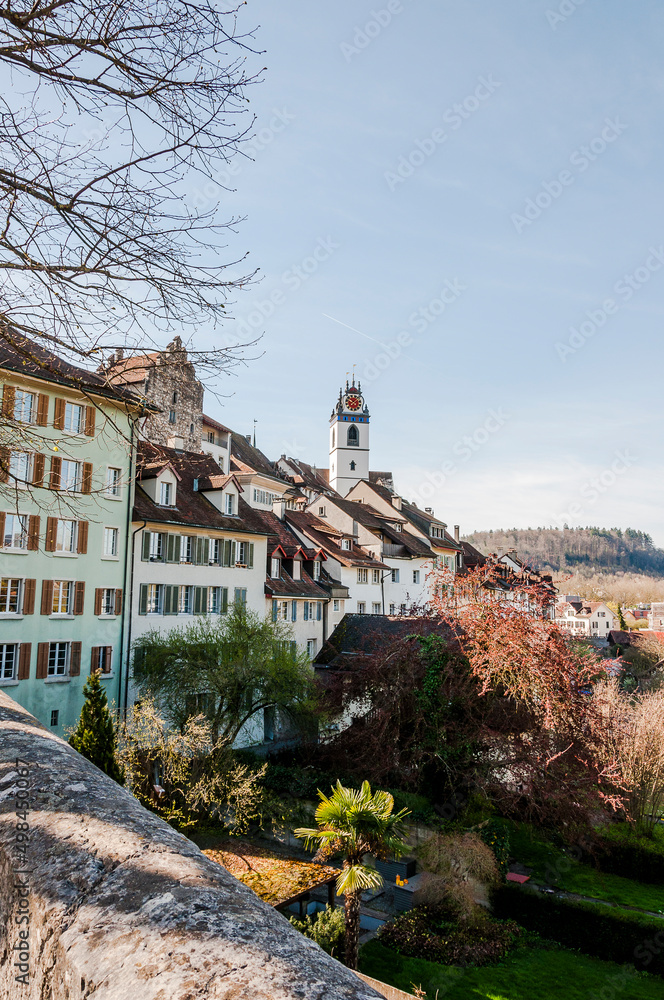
[{"x": 352, "y": 914}]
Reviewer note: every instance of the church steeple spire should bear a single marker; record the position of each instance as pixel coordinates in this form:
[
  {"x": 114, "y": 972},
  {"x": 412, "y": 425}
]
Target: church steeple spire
[{"x": 349, "y": 439}]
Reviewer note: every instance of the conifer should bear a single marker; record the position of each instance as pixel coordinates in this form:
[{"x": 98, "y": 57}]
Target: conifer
[{"x": 94, "y": 737}]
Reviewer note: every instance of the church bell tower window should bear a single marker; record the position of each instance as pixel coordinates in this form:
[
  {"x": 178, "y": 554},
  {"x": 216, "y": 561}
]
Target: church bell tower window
[{"x": 353, "y": 437}]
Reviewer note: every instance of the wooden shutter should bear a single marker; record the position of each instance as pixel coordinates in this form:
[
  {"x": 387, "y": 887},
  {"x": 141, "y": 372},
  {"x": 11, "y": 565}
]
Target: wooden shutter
[
  {"x": 170, "y": 600},
  {"x": 90, "y": 421},
  {"x": 42, "y": 410},
  {"x": 94, "y": 659},
  {"x": 319, "y": 612},
  {"x": 51, "y": 533},
  {"x": 5, "y": 456},
  {"x": 224, "y": 600},
  {"x": 82, "y": 541},
  {"x": 226, "y": 561},
  {"x": 118, "y": 601},
  {"x": 250, "y": 555},
  {"x": 2, "y": 528},
  {"x": 294, "y": 612},
  {"x": 33, "y": 532},
  {"x": 38, "y": 466},
  {"x": 59, "y": 414},
  {"x": 42, "y": 660},
  {"x": 274, "y": 611},
  {"x": 8, "y": 399},
  {"x": 29, "y": 590},
  {"x": 143, "y": 599},
  {"x": 79, "y": 597},
  {"x": 56, "y": 470},
  {"x": 47, "y": 598},
  {"x": 86, "y": 485},
  {"x": 99, "y": 597},
  {"x": 145, "y": 551},
  {"x": 24, "y": 657},
  {"x": 306, "y": 611},
  {"x": 75, "y": 659},
  {"x": 107, "y": 664}
]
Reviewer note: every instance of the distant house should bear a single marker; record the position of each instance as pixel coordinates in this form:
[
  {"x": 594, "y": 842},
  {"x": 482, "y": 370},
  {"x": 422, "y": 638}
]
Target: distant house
[{"x": 587, "y": 619}]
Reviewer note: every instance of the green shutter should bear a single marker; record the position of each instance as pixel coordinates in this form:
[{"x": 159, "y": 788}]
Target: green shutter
[
  {"x": 227, "y": 552},
  {"x": 206, "y": 551},
  {"x": 250, "y": 557},
  {"x": 274, "y": 611},
  {"x": 200, "y": 600},
  {"x": 170, "y": 600},
  {"x": 224, "y": 600},
  {"x": 233, "y": 555},
  {"x": 143, "y": 599},
  {"x": 170, "y": 550},
  {"x": 145, "y": 555}
]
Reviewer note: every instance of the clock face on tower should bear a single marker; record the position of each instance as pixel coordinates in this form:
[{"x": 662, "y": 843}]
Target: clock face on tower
[{"x": 353, "y": 402}]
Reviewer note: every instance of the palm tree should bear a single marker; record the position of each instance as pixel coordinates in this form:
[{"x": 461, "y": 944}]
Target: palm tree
[{"x": 355, "y": 823}]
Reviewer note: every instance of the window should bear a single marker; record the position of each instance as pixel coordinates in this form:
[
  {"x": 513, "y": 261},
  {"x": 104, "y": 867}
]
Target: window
[
  {"x": 375, "y": 576},
  {"x": 361, "y": 608},
  {"x": 166, "y": 494},
  {"x": 240, "y": 597},
  {"x": 395, "y": 576},
  {"x": 297, "y": 569},
  {"x": 175, "y": 398},
  {"x": 101, "y": 660},
  {"x": 262, "y": 496},
  {"x": 218, "y": 600},
  {"x": 363, "y": 576},
  {"x": 229, "y": 504},
  {"x": 8, "y": 661},
  {"x": 322, "y": 512},
  {"x": 316, "y": 569},
  {"x": 113, "y": 482},
  {"x": 24, "y": 405},
  {"x": 70, "y": 476},
  {"x": 55, "y": 716},
  {"x": 186, "y": 603},
  {"x": 282, "y": 611},
  {"x": 110, "y": 542},
  {"x": 601, "y": 614},
  {"x": 245, "y": 554},
  {"x": 402, "y": 609},
  {"x": 345, "y": 544},
  {"x": 375, "y": 608},
  {"x": 337, "y": 605},
  {"x": 58, "y": 659},
  {"x": 416, "y": 576},
  {"x": 311, "y": 648},
  {"x": 393, "y": 609},
  {"x": 187, "y": 549},
  {"x": 16, "y": 531},
  {"x": 108, "y": 601},
  {"x": 154, "y": 599},
  {"x": 210, "y": 437},
  {"x": 171, "y": 416},
  {"x": 156, "y": 552},
  {"x": 20, "y": 466},
  {"x": 352, "y": 466},
  {"x": 74, "y": 421},
  {"x": 191, "y": 428},
  {"x": 353, "y": 437},
  {"x": 62, "y": 592},
  {"x": 398, "y": 526},
  {"x": 65, "y": 536},
  {"x": 275, "y": 569}
]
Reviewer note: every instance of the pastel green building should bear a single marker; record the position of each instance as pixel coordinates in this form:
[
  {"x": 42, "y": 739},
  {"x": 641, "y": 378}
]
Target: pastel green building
[{"x": 67, "y": 441}]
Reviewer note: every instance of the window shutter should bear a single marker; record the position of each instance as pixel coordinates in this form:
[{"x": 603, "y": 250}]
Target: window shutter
[
  {"x": 274, "y": 611},
  {"x": 42, "y": 410},
  {"x": 79, "y": 597},
  {"x": 197, "y": 600},
  {"x": 170, "y": 548},
  {"x": 227, "y": 552},
  {"x": 306, "y": 611},
  {"x": 38, "y": 466},
  {"x": 319, "y": 611},
  {"x": 42, "y": 660},
  {"x": 51, "y": 532},
  {"x": 197, "y": 554},
  {"x": 250, "y": 555},
  {"x": 118, "y": 600},
  {"x": 107, "y": 665},
  {"x": 2, "y": 529},
  {"x": 206, "y": 551},
  {"x": 94, "y": 659},
  {"x": 47, "y": 598},
  {"x": 29, "y": 590},
  {"x": 143, "y": 599},
  {"x": 56, "y": 470},
  {"x": 99, "y": 597},
  {"x": 170, "y": 600},
  {"x": 224, "y": 600},
  {"x": 90, "y": 421},
  {"x": 75, "y": 659},
  {"x": 4, "y": 463},
  {"x": 33, "y": 531},
  {"x": 59, "y": 414},
  {"x": 178, "y": 548},
  {"x": 86, "y": 485},
  {"x": 24, "y": 657},
  {"x": 145, "y": 554},
  {"x": 233, "y": 555},
  {"x": 8, "y": 398},
  {"x": 82, "y": 541}
]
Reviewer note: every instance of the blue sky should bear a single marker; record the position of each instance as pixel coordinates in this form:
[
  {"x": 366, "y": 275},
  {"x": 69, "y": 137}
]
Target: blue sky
[{"x": 472, "y": 194}]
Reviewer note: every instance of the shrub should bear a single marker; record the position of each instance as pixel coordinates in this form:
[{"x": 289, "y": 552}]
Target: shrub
[
  {"x": 326, "y": 928},
  {"x": 619, "y": 851},
  {"x": 426, "y": 932},
  {"x": 593, "y": 928},
  {"x": 496, "y": 836}
]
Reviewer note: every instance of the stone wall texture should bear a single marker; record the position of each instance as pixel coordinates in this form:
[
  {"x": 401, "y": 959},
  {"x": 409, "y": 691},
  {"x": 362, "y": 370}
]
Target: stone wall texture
[{"x": 120, "y": 906}]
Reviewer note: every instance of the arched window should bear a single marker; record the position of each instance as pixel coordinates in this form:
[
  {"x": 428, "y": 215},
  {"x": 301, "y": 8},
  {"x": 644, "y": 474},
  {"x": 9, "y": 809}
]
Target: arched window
[
  {"x": 353, "y": 437},
  {"x": 175, "y": 398}
]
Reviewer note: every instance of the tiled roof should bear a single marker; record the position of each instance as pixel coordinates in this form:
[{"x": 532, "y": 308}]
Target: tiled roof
[
  {"x": 246, "y": 458},
  {"x": 131, "y": 370},
  {"x": 210, "y": 422},
  {"x": 286, "y": 586},
  {"x": 417, "y": 517},
  {"x": 370, "y": 518},
  {"x": 192, "y": 508},
  {"x": 319, "y": 533},
  {"x": 303, "y": 474},
  {"x": 29, "y": 358},
  {"x": 364, "y": 635}
]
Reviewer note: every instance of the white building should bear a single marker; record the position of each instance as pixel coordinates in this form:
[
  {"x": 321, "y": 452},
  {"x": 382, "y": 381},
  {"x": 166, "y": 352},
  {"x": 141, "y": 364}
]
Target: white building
[
  {"x": 587, "y": 619},
  {"x": 349, "y": 440}
]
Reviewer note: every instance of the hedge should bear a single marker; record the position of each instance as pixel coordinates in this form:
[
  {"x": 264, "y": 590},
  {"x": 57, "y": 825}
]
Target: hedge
[
  {"x": 592, "y": 928},
  {"x": 631, "y": 857}
]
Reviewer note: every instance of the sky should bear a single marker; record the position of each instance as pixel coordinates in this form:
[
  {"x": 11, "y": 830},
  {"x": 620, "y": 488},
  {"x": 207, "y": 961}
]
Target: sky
[{"x": 463, "y": 201}]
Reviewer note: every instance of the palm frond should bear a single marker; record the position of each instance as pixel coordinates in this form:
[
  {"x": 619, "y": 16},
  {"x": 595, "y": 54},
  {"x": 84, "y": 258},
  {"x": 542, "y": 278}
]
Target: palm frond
[{"x": 358, "y": 878}]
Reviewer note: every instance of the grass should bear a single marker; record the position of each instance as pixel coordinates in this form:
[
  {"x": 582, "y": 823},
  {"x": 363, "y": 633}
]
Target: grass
[
  {"x": 535, "y": 973},
  {"x": 553, "y": 866}
]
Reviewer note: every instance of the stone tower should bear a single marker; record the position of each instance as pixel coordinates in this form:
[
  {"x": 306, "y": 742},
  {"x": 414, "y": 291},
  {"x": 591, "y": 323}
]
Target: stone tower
[{"x": 349, "y": 440}]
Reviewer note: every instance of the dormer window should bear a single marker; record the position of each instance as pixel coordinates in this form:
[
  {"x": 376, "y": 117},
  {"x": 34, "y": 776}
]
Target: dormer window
[
  {"x": 321, "y": 512},
  {"x": 275, "y": 569},
  {"x": 397, "y": 526},
  {"x": 229, "y": 504},
  {"x": 317, "y": 569},
  {"x": 166, "y": 494},
  {"x": 297, "y": 569},
  {"x": 345, "y": 543}
]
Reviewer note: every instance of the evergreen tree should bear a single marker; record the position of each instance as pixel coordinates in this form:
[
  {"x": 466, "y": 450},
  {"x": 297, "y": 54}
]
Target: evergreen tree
[{"x": 94, "y": 737}]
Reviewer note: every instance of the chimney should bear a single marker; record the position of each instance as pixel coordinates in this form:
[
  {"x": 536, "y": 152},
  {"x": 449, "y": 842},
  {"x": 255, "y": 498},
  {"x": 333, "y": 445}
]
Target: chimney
[
  {"x": 456, "y": 532},
  {"x": 428, "y": 510},
  {"x": 177, "y": 443},
  {"x": 396, "y": 502},
  {"x": 279, "y": 507},
  {"x": 248, "y": 438}
]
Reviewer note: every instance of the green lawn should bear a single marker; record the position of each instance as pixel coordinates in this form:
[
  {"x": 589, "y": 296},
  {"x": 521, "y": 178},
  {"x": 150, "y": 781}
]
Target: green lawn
[
  {"x": 555, "y": 867},
  {"x": 527, "y": 974}
]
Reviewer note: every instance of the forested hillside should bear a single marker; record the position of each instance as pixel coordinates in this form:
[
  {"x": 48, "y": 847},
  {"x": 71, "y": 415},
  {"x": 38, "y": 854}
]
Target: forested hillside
[{"x": 577, "y": 550}]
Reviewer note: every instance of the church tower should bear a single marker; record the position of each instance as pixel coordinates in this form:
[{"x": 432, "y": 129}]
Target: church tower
[{"x": 349, "y": 440}]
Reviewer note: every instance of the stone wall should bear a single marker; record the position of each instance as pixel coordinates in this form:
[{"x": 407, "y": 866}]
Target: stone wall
[{"x": 105, "y": 900}]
